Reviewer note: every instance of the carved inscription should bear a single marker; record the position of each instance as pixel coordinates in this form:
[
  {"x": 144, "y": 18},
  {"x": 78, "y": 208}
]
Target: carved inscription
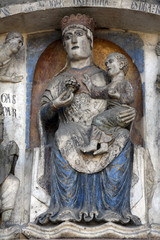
[
  {"x": 91, "y": 2},
  {"x": 45, "y": 4},
  {"x": 145, "y": 7},
  {"x": 9, "y": 99},
  {"x": 56, "y": 3},
  {"x": 138, "y": 5},
  {"x": 4, "y": 12}
]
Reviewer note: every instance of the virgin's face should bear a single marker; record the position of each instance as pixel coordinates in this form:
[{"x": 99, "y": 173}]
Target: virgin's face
[
  {"x": 76, "y": 44},
  {"x": 113, "y": 66}
]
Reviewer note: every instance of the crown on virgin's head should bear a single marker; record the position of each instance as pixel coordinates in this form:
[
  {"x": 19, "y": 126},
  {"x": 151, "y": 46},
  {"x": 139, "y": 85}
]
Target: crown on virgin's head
[{"x": 79, "y": 19}]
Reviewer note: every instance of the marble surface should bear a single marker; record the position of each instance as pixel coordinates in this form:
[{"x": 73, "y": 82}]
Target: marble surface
[{"x": 145, "y": 191}]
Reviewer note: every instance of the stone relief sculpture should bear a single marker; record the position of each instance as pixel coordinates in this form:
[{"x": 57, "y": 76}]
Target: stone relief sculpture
[
  {"x": 11, "y": 46},
  {"x": 9, "y": 183},
  {"x": 158, "y": 76},
  {"x": 87, "y": 184}
]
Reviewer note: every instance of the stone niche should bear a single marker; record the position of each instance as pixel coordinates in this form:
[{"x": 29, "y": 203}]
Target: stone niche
[{"x": 128, "y": 27}]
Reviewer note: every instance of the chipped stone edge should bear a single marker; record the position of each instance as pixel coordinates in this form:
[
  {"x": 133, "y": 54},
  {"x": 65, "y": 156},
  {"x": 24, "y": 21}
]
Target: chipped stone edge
[
  {"x": 68, "y": 230},
  {"x": 155, "y": 231},
  {"x": 10, "y": 233},
  {"x": 72, "y": 230}
]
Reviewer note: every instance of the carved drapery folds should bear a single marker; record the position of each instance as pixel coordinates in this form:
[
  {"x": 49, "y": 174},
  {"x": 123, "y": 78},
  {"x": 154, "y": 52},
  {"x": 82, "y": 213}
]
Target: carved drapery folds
[{"x": 9, "y": 183}]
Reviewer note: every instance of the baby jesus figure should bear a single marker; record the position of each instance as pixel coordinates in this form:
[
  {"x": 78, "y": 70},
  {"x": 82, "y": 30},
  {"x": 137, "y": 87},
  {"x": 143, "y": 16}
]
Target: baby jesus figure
[{"x": 119, "y": 94}]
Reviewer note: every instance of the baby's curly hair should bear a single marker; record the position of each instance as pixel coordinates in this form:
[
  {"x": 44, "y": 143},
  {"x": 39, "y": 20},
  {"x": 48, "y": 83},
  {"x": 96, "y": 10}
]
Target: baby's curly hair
[{"x": 121, "y": 59}]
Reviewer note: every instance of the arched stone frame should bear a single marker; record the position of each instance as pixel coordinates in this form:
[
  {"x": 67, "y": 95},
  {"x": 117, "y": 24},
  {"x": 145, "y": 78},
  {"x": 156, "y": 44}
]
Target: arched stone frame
[{"x": 51, "y": 62}]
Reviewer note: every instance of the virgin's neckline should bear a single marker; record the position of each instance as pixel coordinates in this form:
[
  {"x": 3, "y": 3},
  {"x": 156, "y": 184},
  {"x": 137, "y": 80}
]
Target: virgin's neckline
[{"x": 81, "y": 69}]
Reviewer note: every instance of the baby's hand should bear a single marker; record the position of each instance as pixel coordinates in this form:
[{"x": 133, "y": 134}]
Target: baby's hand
[{"x": 87, "y": 81}]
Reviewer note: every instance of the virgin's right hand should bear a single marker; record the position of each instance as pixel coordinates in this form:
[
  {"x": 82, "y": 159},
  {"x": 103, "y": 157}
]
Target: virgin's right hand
[{"x": 59, "y": 102}]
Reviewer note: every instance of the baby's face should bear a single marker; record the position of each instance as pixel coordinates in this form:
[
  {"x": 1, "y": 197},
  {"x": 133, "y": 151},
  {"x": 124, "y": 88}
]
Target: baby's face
[{"x": 113, "y": 66}]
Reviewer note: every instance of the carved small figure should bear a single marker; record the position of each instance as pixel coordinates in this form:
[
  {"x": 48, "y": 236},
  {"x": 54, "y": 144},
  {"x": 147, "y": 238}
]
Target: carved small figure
[
  {"x": 9, "y": 183},
  {"x": 11, "y": 46},
  {"x": 158, "y": 75},
  {"x": 119, "y": 94}
]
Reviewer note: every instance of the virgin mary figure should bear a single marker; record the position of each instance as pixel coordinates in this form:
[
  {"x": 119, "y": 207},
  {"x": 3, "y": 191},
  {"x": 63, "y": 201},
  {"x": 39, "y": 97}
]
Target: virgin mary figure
[{"x": 83, "y": 187}]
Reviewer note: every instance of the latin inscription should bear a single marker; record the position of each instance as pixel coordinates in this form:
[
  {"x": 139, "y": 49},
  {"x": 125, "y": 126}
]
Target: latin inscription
[
  {"x": 4, "y": 12},
  {"x": 56, "y": 3},
  {"x": 145, "y": 7},
  {"x": 138, "y": 5},
  {"x": 8, "y": 99},
  {"x": 93, "y": 3}
]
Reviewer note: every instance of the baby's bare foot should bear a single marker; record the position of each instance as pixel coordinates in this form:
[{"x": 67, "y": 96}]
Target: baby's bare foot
[
  {"x": 89, "y": 148},
  {"x": 102, "y": 149}
]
